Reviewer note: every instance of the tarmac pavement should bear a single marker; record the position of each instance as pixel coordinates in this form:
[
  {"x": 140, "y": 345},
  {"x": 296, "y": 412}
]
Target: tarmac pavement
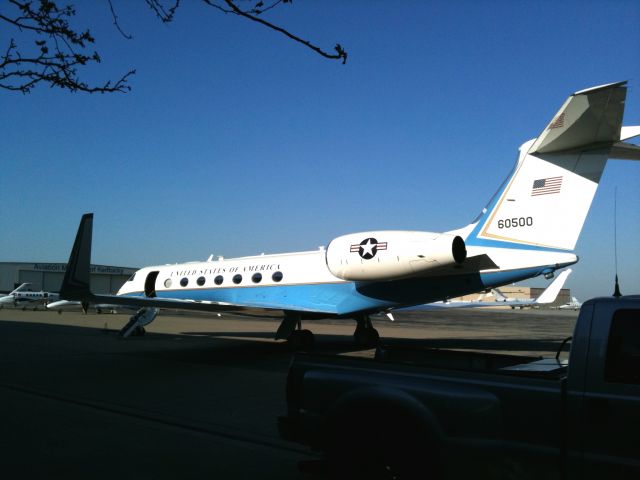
[{"x": 198, "y": 395}]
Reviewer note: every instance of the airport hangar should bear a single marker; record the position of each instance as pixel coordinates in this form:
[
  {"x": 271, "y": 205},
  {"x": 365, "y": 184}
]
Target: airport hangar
[
  {"x": 48, "y": 276},
  {"x": 108, "y": 279}
]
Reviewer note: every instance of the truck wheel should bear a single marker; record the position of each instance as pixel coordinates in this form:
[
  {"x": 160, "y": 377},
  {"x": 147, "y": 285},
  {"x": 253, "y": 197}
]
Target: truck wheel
[{"x": 380, "y": 448}]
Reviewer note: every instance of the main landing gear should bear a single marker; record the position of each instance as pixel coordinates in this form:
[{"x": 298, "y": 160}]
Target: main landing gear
[
  {"x": 365, "y": 335},
  {"x": 291, "y": 329}
]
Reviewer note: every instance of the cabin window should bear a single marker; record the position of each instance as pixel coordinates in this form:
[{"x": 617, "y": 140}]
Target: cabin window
[
  {"x": 200, "y": 281},
  {"x": 256, "y": 278},
  {"x": 623, "y": 350},
  {"x": 167, "y": 283},
  {"x": 277, "y": 276},
  {"x": 237, "y": 279},
  {"x": 184, "y": 282},
  {"x": 218, "y": 280}
]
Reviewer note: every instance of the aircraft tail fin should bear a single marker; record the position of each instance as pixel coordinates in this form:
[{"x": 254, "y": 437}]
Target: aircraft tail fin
[
  {"x": 544, "y": 203},
  {"x": 21, "y": 288},
  {"x": 551, "y": 292},
  {"x": 76, "y": 282},
  {"x": 499, "y": 295}
]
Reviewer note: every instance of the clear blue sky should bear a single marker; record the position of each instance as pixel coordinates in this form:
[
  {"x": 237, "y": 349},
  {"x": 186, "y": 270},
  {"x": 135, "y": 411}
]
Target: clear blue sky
[{"x": 237, "y": 141}]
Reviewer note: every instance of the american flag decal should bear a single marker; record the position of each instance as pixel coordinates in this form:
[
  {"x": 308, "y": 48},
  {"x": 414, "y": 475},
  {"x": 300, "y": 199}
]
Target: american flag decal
[
  {"x": 558, "y": 122},
  {"x": 546, "y": 186}
]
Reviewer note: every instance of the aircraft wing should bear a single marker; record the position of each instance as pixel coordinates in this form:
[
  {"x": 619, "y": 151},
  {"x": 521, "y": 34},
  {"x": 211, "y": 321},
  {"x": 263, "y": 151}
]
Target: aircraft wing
[{"x": 76, "y": 285}]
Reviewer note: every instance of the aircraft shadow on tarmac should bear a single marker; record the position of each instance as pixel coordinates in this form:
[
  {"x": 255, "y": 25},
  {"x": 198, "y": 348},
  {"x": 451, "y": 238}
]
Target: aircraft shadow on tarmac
[
  {"x": 244, "y": 347},
  {"x": 344, "y": 343}
]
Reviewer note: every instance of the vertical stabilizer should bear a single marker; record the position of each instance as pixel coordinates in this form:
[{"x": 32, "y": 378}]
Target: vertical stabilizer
[
  {"x": 75, "y": 285},
  {"x": 551, "y": 292},
  {"x": 546, "y": 200}
]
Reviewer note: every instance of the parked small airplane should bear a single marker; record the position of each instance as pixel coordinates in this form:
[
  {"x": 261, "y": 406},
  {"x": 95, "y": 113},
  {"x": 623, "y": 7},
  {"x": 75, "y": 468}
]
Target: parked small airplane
[
  {"x": 546, "y": 297},
  {"x": 23, "y": 297},
  {"x": 574, "y": 304},
  {"x": 529, "y": 228}
]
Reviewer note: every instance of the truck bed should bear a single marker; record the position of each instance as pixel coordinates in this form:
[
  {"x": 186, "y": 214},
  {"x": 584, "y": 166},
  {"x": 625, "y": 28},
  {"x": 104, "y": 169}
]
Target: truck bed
[{"x": 470, "y": 361}]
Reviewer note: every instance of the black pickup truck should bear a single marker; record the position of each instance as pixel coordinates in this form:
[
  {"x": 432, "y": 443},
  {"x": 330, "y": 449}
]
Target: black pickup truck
[{"x": 447, "y": 414}]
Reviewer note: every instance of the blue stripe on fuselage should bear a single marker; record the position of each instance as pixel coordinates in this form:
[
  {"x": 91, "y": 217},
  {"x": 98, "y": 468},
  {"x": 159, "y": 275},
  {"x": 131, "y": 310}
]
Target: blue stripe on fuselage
[{"x": 346, "y": 298}]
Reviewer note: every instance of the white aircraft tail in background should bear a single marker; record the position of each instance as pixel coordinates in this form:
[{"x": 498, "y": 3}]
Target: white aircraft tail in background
[
  {"x": 549, "y": 295},
  {"x": 529, "y": 228},
  {"x": 574, "y": 304}
]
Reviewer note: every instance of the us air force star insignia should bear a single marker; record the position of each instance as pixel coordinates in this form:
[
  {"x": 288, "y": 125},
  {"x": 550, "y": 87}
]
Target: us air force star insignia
[{"x": 368, "y": 248}]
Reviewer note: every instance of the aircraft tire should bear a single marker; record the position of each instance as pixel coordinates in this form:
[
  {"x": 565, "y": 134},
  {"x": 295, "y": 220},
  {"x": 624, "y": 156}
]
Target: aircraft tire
[
  {"x": 138, "y": 332},
  {"x": 366, "y": 337},
  {"x": 301, "y": 340}
]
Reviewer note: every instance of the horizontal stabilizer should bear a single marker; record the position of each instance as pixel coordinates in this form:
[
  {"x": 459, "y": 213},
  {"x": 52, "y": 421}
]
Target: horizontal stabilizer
[
  {"x": 625, "y": 151},
  {"x": 629, "y": 132},
  {"x": 587, "y": 117}
]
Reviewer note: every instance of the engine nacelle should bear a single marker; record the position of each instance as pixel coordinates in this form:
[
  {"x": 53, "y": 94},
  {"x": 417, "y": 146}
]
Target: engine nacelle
[{"x": 387, "y": 255}]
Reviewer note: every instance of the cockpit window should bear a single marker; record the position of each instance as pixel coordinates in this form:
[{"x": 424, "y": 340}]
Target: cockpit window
[{"x": 130, "y": 279}]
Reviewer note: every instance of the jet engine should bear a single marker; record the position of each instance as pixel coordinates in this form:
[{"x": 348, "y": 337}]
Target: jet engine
[{"x": 387, "y": 255}]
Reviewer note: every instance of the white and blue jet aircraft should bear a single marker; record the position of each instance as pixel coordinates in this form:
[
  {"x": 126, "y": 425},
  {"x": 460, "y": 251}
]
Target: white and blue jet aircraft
[{"x": 529, "y": 228}]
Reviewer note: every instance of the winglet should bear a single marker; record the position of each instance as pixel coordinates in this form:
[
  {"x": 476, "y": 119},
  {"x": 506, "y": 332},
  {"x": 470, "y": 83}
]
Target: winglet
[{"x": 75, "y": 285}]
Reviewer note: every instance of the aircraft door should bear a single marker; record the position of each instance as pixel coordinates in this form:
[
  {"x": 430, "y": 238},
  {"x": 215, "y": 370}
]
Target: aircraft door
[{"x": 150, "y": 284}]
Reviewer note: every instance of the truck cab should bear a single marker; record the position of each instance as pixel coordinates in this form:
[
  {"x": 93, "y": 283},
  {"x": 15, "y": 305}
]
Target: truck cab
[
  {"x": 451, "y": 414},
  {"x": 603, "y": 390}
]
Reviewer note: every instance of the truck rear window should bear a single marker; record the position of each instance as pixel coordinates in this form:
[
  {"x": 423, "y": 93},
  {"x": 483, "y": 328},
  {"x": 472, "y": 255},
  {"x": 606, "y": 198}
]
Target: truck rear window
[{"x": 623, "y": 350}]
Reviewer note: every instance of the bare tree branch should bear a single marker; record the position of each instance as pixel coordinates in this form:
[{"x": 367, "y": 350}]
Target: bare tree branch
[
  {"x": 340, "y": 54},
  {"x": 164, "y": 14},
  {"x": 114, "y": 16},
  {"x": 59, "y": 51}
]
